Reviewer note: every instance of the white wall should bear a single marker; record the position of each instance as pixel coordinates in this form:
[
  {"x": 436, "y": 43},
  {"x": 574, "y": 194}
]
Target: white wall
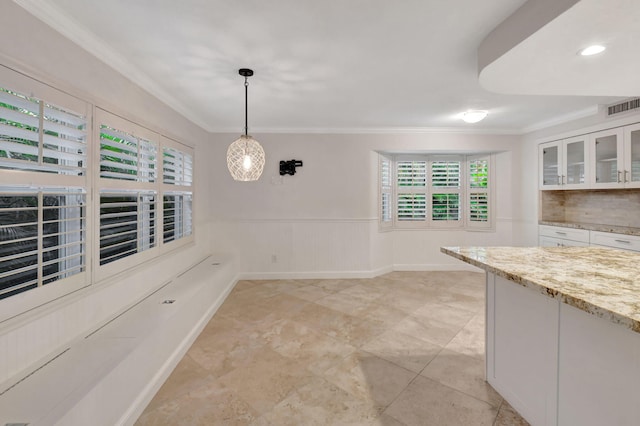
[
  {"x": 322, "y": 222},
  {"x": 36, "y": 50}
]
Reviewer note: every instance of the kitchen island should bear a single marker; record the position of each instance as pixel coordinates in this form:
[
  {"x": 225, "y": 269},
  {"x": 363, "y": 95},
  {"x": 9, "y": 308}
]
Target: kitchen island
[{"x": 563, "y": 331}]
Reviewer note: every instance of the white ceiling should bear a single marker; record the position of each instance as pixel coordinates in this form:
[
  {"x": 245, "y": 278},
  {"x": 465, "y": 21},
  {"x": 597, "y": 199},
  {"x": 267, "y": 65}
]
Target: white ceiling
[
  {"x": 547, "y": 62},
  {"x": 332, "y": 65}
]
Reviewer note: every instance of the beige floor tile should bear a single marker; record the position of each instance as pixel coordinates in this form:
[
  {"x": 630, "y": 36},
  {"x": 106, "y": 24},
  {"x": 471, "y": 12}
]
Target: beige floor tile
[
  {"x": 187, "y": 375},
  {"x": 507, "y": 416},
  {"x": 463, "y": 373},
  {"x": 444, "y": 313},
  {"x": 347, "y": 328},
  {"x": 209, "y": 404},
  {"x": 305, "y": 352},
  {"x": 431, "y": 330},
  {"x": 336, "y": 285},
  {"x": 309, "y": 292},
  {"x": 282, "y": 305},
  {"x": 226, "y": 343},
  {"x": 345, "y": 304},
  {"x": 470, "y": 340},
  {"x": 315, "y": 350},
  {"x": 460, "y": 300},
  {"x": 403, "y": 350},
  {"x": 426, "y": 402},
  {"x": 382, "y": 313},
  {"x": 370, "y": 378},
  {"x": 266, "y": 380},
  {"x": 320, "y": 403}
]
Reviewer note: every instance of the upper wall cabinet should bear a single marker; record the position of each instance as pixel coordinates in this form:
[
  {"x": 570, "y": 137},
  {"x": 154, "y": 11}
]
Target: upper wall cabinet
[
  {"x": 601, "y": 160},
  {"x": 607, "y": 152},
  {"x": 564, "y": 164}
]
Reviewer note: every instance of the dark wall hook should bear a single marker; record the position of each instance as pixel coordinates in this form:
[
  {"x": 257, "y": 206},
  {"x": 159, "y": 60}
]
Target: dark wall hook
[{"x": 289, "y": 167}]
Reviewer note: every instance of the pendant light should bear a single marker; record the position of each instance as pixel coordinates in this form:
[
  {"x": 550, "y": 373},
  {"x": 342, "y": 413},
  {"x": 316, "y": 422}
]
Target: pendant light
[{"x": 245, "y": 156}]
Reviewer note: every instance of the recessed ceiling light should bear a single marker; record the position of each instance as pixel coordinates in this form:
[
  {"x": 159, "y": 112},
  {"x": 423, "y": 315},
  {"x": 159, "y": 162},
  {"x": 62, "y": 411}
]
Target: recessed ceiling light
[
  {"x": 473, "y": 116},
  {"x": 592, "y": 50}
]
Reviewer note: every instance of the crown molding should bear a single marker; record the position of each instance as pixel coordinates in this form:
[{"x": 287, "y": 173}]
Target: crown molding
[
  {"x": 370, "y": 130},
  {"x": 576, "y": 115},
  {"x": 52, "y": 16}
]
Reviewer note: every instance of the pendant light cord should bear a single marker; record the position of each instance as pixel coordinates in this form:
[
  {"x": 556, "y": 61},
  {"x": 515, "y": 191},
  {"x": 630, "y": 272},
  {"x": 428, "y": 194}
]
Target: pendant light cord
[{"x": 246, "y": 110}]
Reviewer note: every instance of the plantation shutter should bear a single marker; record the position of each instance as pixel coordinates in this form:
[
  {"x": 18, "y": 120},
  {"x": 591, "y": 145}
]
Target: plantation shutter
[
  {"x": 478, "y": 212},
  {"x": 446, "y": 188},
  {"x": 127, "y": 224},
  {"x": 42, "y": 237},
  {"x": 38, "y": 136},
  {"x": 177, "y": 167},
  {"x": 126, "y": 157},
  {"x": 411, "y": 189},
  {"x": 386, "y": 191}
]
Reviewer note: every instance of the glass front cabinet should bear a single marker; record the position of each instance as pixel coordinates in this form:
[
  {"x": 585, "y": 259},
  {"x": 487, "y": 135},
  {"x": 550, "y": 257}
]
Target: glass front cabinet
[
  {"x": 631, "y": 171},
  {"x": 564, "y": 164},
  {"x": 607, "y": 153}
]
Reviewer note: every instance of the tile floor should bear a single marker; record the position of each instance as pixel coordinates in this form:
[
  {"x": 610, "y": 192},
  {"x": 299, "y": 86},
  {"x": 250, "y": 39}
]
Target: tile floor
[{"x": 406, "y": 348}]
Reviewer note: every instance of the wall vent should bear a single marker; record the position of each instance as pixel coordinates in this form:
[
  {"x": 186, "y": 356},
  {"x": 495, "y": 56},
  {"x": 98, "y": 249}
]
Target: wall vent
[{"x": 621, "y": 107}]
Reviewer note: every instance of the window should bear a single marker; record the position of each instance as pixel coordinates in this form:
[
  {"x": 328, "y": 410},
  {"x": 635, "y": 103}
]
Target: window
[
  {"x": 43, "y": 169},
  {"x": 386, "y": 192},
  {"x": 436, "y": 191},
  {"x": 177, "y": 199},
  {"x": 478, "y": 214},
  {"x": 134, "y": 192},
  {"x": 145, "y": 193}
]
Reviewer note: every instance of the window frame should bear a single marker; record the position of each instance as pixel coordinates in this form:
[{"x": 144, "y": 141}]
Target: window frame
[
  {"x": 32, "y": 180},
  {"x": 464, "y": 191}
]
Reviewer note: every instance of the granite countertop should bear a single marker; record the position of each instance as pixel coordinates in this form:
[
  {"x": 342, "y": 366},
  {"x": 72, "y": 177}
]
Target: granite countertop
[
  {"x": 601, "y": 281},
  {"x": 625, "y": 230}
]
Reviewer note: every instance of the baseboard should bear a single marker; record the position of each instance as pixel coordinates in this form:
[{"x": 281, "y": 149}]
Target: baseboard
[
  {"x": 146, "y": 395},
  {"x": 435, "y": 267},
  {"x": 307, "y": 275}
]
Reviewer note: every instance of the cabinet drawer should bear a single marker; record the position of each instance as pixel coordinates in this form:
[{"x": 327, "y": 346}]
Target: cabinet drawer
[
  {"x": 621, "y": 241},
  {"x": 559, "y": 242},
  {"x": 573, "y": 234}
]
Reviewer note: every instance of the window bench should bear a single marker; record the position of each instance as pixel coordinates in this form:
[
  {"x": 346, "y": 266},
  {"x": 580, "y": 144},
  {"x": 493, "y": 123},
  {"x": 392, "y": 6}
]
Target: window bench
[{"x": 108, "y": 377}]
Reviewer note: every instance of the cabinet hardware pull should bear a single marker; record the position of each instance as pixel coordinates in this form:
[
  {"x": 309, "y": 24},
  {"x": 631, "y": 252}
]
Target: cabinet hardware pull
[
  {"x": 619, "y": 176},
  {"x": 561, "y": 233},
  {"x": 626, "y": 175},
  {"x": 623, "y": 241},
  {"x": 559, "y": 180},
  {"x": 564, "y": 180}
]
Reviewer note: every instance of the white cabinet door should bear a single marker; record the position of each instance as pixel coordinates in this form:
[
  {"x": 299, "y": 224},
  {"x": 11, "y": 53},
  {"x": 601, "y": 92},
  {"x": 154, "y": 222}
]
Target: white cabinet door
[
  {"x": 599, "y": 371},
  {"x": 632, "y": 156},
  {"x": 565, "y": 164},
  {"x": 550, "y": 156},
  {"x": 522, "y": 349},
  {"x": 575, "y": 161},
  {"x": 606, "y": 152}
]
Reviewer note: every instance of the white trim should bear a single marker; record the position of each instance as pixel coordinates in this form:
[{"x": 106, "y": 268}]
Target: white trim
[
  {"x": 371, "y": 130},
  {"x": 145, "y": 396},
  {"x": 576, "y": 115},
  {"x": 303, "y": 220},
  {"x": 416, "y": 267}
]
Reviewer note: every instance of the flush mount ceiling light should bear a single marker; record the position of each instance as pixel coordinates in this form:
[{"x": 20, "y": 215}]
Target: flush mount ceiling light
[
  {"x": 473, "y": 116},
  {"x": 245, "y": 156},
  {"x": 592, "y": 50}
]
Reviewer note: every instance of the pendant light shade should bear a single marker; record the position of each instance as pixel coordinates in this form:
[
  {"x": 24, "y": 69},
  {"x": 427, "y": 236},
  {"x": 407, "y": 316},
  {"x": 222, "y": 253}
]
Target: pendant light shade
[
  {"x": 245, "y": 156},
  {"x": 245, "y": 159}
]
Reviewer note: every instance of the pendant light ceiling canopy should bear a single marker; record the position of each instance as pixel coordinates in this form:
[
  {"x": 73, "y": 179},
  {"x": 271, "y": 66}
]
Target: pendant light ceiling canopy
[{"x": 245, "y": 156}]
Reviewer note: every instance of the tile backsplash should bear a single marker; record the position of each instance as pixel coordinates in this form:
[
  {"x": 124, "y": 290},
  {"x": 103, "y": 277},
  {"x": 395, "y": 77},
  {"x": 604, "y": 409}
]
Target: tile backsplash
[{"x": 617, "y": 207}]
